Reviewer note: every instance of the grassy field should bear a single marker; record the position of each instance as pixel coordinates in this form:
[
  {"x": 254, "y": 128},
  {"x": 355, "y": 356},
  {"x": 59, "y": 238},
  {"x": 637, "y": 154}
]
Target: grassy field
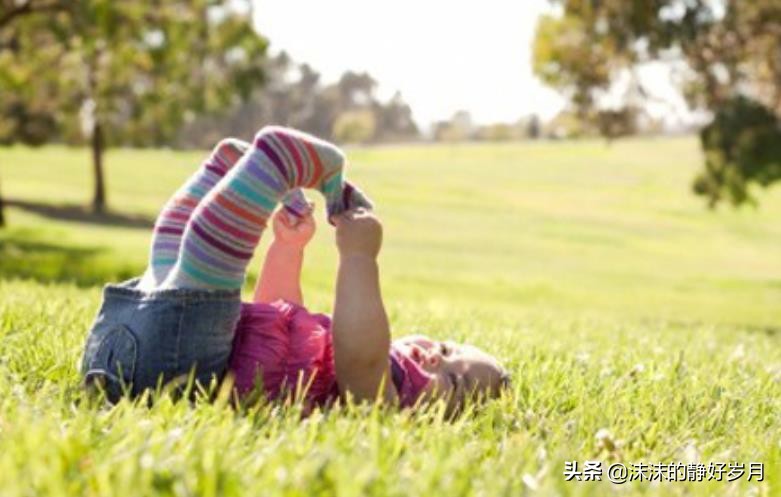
[{"x": 620, "y": 304}]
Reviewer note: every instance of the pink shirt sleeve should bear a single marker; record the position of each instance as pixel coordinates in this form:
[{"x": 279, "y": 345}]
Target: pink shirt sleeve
[{"x": 408, "y": 377}]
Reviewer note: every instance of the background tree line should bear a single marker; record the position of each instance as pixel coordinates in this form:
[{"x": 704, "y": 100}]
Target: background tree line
[
  {"x": 347, "y": 111},
  {"x": 187, "y": 72},
  {"x": 461, "y": 127}
]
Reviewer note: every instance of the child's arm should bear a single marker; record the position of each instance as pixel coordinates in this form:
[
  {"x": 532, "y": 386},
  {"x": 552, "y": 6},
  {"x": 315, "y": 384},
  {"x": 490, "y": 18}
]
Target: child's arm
[
  {"x": 280, "y": 277},
  {"x": 360, "y": 327}
]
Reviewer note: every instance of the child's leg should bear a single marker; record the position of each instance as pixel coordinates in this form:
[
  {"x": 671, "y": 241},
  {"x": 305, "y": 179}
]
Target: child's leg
[
  {"x": 222, "y": 233},
  {"x": 170, "y": 224}
]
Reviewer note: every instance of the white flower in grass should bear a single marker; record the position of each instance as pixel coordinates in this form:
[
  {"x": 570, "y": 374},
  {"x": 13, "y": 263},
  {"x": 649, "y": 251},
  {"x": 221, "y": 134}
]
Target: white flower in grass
[
  {"x": 147, "y": 461},
  {"x": 637, "y": 370},
  {"x": 530, "y": 481},
  {"x": 690, "y": 452},
  {"x": 605, "y": 440},
  {"x": 739, "y": 353}
]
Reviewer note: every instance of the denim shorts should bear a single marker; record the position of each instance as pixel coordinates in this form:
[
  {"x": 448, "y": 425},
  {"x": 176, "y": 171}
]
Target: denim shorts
[{"x": 144, "y": 339}]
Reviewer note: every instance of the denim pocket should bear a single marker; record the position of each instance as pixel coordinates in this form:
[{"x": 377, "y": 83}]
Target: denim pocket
[{"x": 110, "y": 363}]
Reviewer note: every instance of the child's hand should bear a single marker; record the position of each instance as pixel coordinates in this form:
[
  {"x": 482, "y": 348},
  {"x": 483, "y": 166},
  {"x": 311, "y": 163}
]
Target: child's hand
[
  {"x": 292, "y": 230},
  {"x": 358, "y": 232}
]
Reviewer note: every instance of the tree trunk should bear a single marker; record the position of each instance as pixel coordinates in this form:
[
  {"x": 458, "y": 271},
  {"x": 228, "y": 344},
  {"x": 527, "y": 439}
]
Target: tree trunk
[
  {"x": 99, "y": 193},
  {"x": 2, "y": 208}
]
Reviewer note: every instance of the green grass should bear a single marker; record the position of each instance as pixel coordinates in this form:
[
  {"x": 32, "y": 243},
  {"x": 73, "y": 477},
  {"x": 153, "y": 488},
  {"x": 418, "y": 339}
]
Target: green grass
[{"x": 616, "y": 299}]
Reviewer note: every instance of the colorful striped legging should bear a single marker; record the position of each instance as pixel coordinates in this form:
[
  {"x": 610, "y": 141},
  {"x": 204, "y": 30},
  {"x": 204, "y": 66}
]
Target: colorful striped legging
[{"x": 207, "y": 232}]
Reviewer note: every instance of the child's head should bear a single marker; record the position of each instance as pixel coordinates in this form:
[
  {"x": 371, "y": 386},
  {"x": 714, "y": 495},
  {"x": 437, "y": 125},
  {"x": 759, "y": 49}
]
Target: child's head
[{"x": 458, "y": 371}]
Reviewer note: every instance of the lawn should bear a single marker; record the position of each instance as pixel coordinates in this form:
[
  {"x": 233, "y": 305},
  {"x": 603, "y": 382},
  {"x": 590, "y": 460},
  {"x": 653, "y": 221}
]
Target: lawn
[{"x": 639, "y": 327}]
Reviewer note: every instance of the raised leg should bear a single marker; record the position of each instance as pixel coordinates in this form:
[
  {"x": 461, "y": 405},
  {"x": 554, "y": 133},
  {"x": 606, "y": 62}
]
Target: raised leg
[
  {"x": 173, "y": 219},
  {"x": 226, "y": 226}
]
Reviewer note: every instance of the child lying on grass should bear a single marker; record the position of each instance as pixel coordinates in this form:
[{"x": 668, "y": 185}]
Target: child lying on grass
[{"x": 181, "y": 317}]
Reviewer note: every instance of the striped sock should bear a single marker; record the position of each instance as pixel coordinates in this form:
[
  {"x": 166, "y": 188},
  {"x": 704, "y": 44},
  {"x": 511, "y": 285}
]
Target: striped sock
[
  {"x": 296, "y": 204},
  {"x": 222, "y": 233},
  {"x": 171, "y": 222},
  {"x": 309, "y": 162}
]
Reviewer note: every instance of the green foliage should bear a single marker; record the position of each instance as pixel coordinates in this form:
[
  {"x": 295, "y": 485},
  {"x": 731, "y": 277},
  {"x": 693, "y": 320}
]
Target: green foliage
[
  {"x": 138, "y": 69},
  {"x": 121, "y": 73},
  {"x": 614, "y": 124},
  {"x": 742, "y": 146},
  {"x": 567, "y": 124},
  {"x": 567, "y": 58},
  {"x": 357, "y": 126},
  {"x": 28, "y": 104},
  {"x": 577, "y": 264},
  {"x": 729, "y": 49},
  {"x": 294, "y": 96},
  {"x": 498, "y": 132},
  {"x": 25, "y": 123},
  {"x": 459, "y": 128}
]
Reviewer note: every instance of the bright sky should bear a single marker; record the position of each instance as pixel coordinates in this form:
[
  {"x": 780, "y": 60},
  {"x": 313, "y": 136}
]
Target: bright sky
[{"x": 443, "y": 55}]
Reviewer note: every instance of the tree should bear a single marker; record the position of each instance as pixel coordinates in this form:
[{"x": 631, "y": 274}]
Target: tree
[
  {"x": 614, "y": 124},
  {"x": 129, "y": 72},
  {"x": 458, "y": 128},
  {"x": 728, "y": 54},
  {"x": 293, "y": 95},
  {"x": 354, "y": 126},
  {"x": 2, "y": 210},
  {"x": 744, "y": 146},
  {"x": 30, "y": 124},
  {"x": 356, "y": 89},
  {"x": 394, "y": 120},
  {"x": 497, "y": 132},
  {"x": 12, "y": 9},
  {"x": 534, "y": 128}
]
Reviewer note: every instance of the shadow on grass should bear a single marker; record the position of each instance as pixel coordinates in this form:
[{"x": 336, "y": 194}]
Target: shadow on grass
[
  {"x": 81, "y": 214},
  {"x": 24, "y": 255}
]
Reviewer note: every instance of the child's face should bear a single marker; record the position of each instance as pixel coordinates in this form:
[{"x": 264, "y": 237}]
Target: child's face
[{"x": 458, "y": 370}]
